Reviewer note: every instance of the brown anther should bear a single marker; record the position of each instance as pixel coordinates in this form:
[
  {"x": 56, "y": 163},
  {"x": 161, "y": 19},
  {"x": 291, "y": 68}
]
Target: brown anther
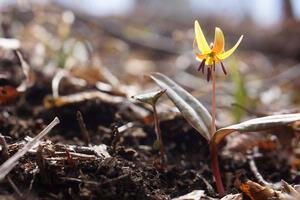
[
  {"x": 208, "y": 73},
  {"x": 201, "y": 66},
  {"x": 223, "y": 68}
]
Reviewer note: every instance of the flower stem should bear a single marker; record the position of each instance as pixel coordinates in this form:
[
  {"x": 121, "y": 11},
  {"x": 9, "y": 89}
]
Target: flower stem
[
  {"x": 213, "y": 148},
  {"x": 216, "y": 170},
  {"x": 158, "y": 135}
]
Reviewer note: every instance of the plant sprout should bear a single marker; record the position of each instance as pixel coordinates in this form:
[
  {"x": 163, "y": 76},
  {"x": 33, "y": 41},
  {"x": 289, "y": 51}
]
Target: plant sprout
[{"x": 151, "y": 99}]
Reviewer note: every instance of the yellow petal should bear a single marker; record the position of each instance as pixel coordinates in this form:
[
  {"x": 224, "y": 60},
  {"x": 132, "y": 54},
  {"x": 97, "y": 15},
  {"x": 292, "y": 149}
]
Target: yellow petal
[
  {"x": 201, "y": 41},
  {"x": 201, "y": 56},
  {"x": 230, "y": 51},
  {"x": 219, "y": 41}
]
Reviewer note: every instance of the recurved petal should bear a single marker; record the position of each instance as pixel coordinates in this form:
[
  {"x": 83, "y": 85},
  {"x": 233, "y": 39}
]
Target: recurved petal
[
  {"x": 201, "y": 41},
  {"x": 230, "y": 51},
  {"x": 219, "y": 41}
]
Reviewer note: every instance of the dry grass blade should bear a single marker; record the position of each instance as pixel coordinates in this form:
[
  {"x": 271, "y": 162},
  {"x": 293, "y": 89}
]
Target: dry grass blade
[
  {"x": 50, "y": 102},
  {"x": 194, "y": 195},
  {"x": 257, "y": 124},
  {"x": 233, "y": 197},
  {"x": 29, "y": 79},
  {"x": 8, "y": 165},
  {"x": 191, "y": 109}
]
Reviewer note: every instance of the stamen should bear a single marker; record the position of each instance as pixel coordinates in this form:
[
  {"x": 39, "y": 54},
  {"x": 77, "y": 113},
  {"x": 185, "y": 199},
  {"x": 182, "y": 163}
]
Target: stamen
[
  {"x": 208, "y": 73},
  {"x": 214, "y": 66},
  {"x": 201, "y": 66},
  {"x": 223, "y": 68}
]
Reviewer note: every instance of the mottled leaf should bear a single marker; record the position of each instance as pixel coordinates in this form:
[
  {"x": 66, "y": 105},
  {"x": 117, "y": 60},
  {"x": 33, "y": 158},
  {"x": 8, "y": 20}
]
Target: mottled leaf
[
  {"x": 191, "y": 109},
  {"x": 257, "y": 124}
]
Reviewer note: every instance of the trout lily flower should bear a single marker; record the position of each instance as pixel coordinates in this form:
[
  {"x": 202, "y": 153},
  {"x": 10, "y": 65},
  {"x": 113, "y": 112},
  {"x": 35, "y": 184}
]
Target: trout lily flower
[{"x": 213, "y": 54}]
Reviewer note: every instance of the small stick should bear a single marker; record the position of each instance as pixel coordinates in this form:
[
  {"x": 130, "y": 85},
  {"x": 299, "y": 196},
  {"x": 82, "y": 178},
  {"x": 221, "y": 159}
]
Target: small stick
[
  {"x": 5, "y": 155},
  {"x": 116, "y": 137},
  {"x": 41, "y": 164},
  {"x": 85, "y": 134},
  {"x": 256, "y": 173},
  {"x": 8, "y": 165},
  {"x": 4, "y": 152},
  {"x": 13, "y": 185}
]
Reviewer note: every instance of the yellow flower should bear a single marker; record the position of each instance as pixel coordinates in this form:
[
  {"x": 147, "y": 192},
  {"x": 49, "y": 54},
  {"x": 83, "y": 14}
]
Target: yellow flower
[{"x": 214, "y": 54}]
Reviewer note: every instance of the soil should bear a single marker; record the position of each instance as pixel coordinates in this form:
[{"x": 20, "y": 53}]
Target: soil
[{"x": 133, "y": 171}]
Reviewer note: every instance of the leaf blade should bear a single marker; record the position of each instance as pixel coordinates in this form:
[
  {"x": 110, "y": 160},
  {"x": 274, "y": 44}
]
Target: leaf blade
[
  {"x": 257, "y": 124},
  {"x": 192, "y": 110}
]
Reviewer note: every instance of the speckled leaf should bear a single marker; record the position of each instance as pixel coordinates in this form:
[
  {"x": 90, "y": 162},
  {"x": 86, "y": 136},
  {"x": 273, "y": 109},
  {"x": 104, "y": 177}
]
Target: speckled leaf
[
  {"x": 257, "y": 124},
  {"x": 191, "y": 109}
]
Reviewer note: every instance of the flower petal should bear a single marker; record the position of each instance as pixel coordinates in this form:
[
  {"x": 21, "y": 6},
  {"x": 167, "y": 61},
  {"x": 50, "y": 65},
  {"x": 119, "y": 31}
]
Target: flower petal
[
  {"x": 201, "y": 41},
  {"x": 230, "y": 51},
  {"x": 200, "y": 56},
  {"x": 219, "y": 41}
]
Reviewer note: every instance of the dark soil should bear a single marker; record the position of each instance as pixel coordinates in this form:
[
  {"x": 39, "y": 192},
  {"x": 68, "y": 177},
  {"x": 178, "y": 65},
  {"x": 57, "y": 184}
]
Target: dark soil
[
  {"x": 133, "y": 169},
  {"x": 132, "y": 172}
]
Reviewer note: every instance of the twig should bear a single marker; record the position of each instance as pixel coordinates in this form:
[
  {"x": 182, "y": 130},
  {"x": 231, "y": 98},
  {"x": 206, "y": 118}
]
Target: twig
[
  {"x": 13, "y": 185},
  {"x": 84, "y": 131},
  {"x": 28, "y": 81},
  {"x": 41, "y": 164},
  {"x": 209, "y": 187},
  {"x": 4, "y": 151},
  {"x": 256, "y": 173},
  {"x": 116, "y": 137},
  {"x": 8, "y": 165},
  {"x": 5, "y": 155}
]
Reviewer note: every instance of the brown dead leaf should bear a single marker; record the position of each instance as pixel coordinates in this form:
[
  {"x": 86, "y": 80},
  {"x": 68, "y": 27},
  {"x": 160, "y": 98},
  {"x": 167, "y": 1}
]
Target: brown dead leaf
[
  {"x": 244, "y": 142},
  {"x": 8, "y": 94},
  {"x": 50, "y": 102},
  {"x": 254, "y": 190}
]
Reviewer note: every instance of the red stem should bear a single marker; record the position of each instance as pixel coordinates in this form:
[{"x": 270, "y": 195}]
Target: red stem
[{"x": 213, "y": 148}]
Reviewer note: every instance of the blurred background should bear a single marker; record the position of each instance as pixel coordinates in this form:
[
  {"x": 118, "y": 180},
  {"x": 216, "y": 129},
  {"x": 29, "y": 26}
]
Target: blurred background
[{"x": 124, "y": 40}]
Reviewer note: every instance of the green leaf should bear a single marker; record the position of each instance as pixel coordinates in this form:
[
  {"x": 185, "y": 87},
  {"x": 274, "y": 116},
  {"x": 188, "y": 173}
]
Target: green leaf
[
  {"x": 150, "y": 97},
  {"x": 257, "y": 124},
  {"x": 191, "y": 109}
]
